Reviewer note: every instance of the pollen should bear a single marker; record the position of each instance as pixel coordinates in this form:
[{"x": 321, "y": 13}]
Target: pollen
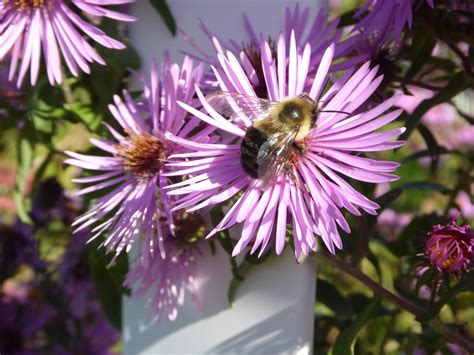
[
  {"x": 451, "y": 248},
  {"x": 143, "y": 155},
  {"x": 446, "y": 254},
  {"x": 23, "y": 5}
]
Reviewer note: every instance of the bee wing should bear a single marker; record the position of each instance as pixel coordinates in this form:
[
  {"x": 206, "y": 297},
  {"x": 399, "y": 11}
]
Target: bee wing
[
  {"x": 242, "y": 107},
  {"x": 273, "y": 155}
]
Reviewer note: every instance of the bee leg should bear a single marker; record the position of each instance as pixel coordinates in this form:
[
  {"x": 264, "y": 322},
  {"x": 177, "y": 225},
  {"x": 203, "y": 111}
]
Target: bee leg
[
  {"x": 292, "y": 177},
  {"x": 306, "y": 97},
  {"x": 299, "y": 148}
]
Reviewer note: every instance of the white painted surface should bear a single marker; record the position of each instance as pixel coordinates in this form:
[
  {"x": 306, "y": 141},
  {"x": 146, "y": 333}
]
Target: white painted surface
[
  {"x": 150, "y": 36},
  {"x": 273, "y": 311}
]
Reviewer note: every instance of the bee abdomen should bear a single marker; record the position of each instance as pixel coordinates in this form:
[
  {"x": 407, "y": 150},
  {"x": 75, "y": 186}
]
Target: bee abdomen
[{"x": 249, "y": 148}]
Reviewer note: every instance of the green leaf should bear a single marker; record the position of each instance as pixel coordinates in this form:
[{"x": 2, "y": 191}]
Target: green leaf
[
  {"x": 425, "y": 186},
  {"x": 413, "y": 233},
  {"x": 457, "y": 84},
  {"x": 429, "y": 153},
  {"x": 43, "y": 111},
  {"x": 235, "y": 282},
  {"x": 388, "y": 198},
  {"x": 223, "y": 236},
  {"x": 108, "y": 292},
  {"x": 347, "y": 19},
  {"x": 344, "y": 344},
  {"x": 25, "y": 154},
  {"x": 422, "y": 45},
  {"x": 424, "y": 279},
  {"x": 328, "y": 295},
  {"x": 78, "y": 112},
  {"x": 40, "y": 172},
  {"x": 465, "y": 284},
  {"x": 254, "y": 259},
  {"x": 225, "y": 241},
  {"x": 163, "y": 9}
]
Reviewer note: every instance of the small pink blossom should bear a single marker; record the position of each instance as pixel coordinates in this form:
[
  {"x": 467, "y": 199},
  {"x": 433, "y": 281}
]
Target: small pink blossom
[{"x": 450, "y": 248}]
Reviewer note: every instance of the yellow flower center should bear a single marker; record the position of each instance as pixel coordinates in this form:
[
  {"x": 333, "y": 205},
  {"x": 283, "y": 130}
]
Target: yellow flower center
[
  {"x": 23, "y": 5},
  {"x": 144, "y": 156},
  {"x": 446, "y": 261}
]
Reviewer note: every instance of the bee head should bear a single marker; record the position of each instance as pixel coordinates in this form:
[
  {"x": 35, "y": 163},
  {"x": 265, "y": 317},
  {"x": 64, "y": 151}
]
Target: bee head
[{"x": 292, "y": 113}]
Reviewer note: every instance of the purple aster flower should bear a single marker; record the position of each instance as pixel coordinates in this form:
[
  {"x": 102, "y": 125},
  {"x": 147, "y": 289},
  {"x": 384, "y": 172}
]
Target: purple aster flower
[
  {"x": 21, "y": 326},
  {"x": 32, "y": 28},
  {"x": 169, "y": 279},
  {"x": 17, "y": 247},
  {"x": 382, "y": 21},
  {"x": 450, "y": 248},
  {"x": 75, "y": 277},
  {"x": 133, "y": 208},
  {"x": 317, "y": 30},
  {"x": 313, "y": 192},
  {"x": 8, "y": 91}
]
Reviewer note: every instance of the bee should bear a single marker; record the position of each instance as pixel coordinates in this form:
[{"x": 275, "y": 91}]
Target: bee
[{"x": 275, "y": 133}]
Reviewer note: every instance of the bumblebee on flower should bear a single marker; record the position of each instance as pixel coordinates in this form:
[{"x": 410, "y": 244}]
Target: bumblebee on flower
[{"x": 309, "y": 192}]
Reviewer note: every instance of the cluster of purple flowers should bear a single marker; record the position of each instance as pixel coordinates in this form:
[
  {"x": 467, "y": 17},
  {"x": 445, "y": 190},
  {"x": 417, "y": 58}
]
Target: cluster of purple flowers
[
  {"x": 40, "y": 296},
  {"x": 175, "y": 151}
]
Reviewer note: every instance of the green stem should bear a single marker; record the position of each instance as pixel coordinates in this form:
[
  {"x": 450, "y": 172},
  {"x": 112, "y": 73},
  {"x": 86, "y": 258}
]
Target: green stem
[
  {"x": 68, "y": 94},
  {"x": 419, "y": 312}
]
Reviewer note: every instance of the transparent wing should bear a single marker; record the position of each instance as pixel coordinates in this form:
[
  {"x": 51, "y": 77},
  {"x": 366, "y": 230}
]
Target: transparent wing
[
  {"x": 239, "y": 106},
  {"x": 273, "y": 155}
]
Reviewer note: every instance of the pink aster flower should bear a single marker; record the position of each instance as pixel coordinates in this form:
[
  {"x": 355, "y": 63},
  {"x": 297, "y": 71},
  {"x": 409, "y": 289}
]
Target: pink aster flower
[
  {"x": 450, "y": 248},
  {"x": 311, "y": 195},
  {"x": 171, "y": 278},
  {"x": 315, "y": 29},
  {"x": 32, "y": 28},
  {"x": 382, "y": 21},
  {"x": 132, "y": 174}
]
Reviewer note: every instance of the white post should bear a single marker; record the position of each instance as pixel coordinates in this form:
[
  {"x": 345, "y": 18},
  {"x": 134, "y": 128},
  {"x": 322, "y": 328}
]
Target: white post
[{"x": 273, "y": 310}]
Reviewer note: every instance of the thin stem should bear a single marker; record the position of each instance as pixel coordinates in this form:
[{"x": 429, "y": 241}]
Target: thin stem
[
  {"x": 465, "y": 60},
  {"x": 68, "y": 94},
  {"x": 434, "y": 291},
  {"x": 409, "y": 81},
  {"x": 441, "y": 328},
  {"x": 359, "y": 275}
]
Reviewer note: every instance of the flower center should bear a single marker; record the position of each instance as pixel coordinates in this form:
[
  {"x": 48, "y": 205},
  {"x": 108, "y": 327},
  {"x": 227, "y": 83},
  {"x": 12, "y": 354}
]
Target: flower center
[
  {"x": 143, "y": 157},
  {"x": 254, "y": 55},
  {"x": 190, "y": 227},
  {"x": 443, "y": 261},
  {"x": 450, "y": 253},
  {"x": 22, "y": 5}
]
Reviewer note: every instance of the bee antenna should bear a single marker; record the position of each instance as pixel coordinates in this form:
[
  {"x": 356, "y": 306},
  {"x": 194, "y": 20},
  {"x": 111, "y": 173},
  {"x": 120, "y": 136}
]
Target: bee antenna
[{"x": 347, "y": 113}]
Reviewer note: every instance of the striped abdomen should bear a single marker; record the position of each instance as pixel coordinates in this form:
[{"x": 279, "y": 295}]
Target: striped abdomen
[{"x": 249, "y": 148}]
